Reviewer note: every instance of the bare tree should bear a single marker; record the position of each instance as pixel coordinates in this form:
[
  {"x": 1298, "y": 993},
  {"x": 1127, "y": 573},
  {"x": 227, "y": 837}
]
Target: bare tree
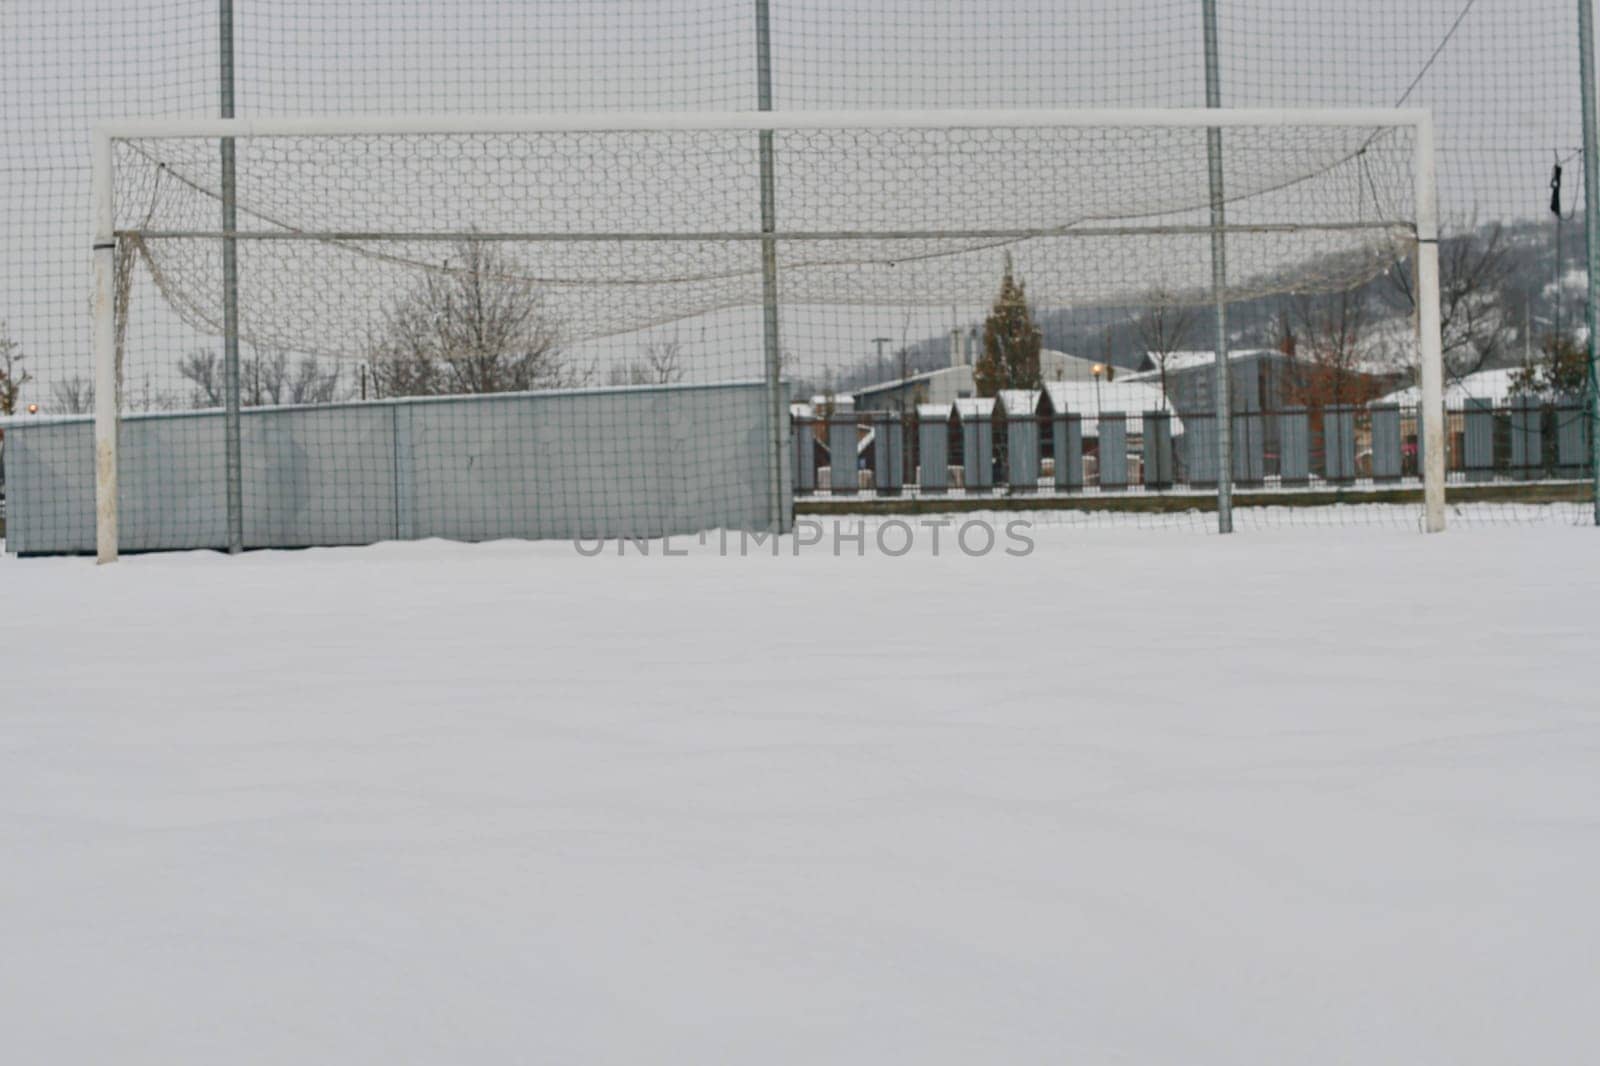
[
  {"x": 270, "y": 378},
  {"x": 203, "y": 370},
  {"x": 473, "y": 326},
  {"x": 311, "y": 382},
  {"x": 660, "y": 364},
  {"x": 265, "y": 379},
  {"x": 1328, "y": 338},
  {"x": 73, "y": 396},
  {"x": 1475, "y": 269},
  {"x": 12, "y": 374},
  {"x": 261, "y": 378},
  {"x": 1163, "y": 330}
]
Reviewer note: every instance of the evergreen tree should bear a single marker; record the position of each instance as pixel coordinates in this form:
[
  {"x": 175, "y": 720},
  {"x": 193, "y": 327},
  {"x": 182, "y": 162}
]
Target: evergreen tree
[{"x": 1011, "y": 341}]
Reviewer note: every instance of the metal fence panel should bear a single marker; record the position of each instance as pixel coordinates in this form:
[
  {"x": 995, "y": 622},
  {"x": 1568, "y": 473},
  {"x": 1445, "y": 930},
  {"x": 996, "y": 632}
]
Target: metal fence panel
[
  {"x": 888, "y": 454},
  {"x": 1157, "y": 449},
  {"x": 933, "y": 454},
  {"x": 977, "y": 449},
  {"x": 1339, "y": 443},
  {"x": 1249, "y": 447},
  {"x": 1294, "y": 446},
  {"x": 1386, "y": 444},
  {"x": 473, "y": 468},
  {"x": 1067, "y": 442},
  {"x": 842, "y": 454},
  {"x": 1200, "y": 449},
  {"x": 1572, "y": 436},
  {"x": 1022, "y": 452},
  {"x": 1113, "y": 451},
  {"x": 1478, "y": 439},
  {"x": 1527, "y": 437},
  {"x": 805, "y": 455}
]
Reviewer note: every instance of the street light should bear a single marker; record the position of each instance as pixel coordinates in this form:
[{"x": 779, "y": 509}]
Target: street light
[{"x": 1098, "y": 370}]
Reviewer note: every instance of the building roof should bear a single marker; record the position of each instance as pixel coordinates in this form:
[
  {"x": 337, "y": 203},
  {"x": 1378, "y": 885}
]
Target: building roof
[
  {"x": 931, "y": 411},
  {"x": 915, "y": 379},
  {"x": 1495, "y": 386},
  {"x": 1020, "y": 401},
  {"x": 975, "y": 407},
  {"x": 1187, "y": 360},
  {"x": 1088, "y": 399}
]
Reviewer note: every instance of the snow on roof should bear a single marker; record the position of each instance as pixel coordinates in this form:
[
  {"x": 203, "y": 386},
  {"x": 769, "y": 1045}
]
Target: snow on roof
[
  {"x": 1187, "y": 360},
  {"x": 1495, "y": 386},
  {"x": 1386, "y": 346},
  {"x": 802, "y": 410},
  {"x": 933, "y": 411},
  {"x": 1020, "y": 401},
  {"x": 975, "y": 407},
  {"x": 838, "y": 403},
  {"x": 1089, "y": 398},
  {"x": 900, "y": 383}
]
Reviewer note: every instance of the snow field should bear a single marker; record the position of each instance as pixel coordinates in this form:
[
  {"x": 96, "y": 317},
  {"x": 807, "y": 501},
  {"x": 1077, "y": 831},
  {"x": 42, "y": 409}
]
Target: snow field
[{"x": 1312, "y": 796}]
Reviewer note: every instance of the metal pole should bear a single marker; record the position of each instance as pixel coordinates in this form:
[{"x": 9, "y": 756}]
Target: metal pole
[
  {"x": 232, "y": 457},
  {"x": 105, "y": 354},
  {"x": 769, "y": 276},
  {"x": 1591, "y": 229},
  {"x": 1430, "y": 340},
  {"x": 1219, "y": 278}
]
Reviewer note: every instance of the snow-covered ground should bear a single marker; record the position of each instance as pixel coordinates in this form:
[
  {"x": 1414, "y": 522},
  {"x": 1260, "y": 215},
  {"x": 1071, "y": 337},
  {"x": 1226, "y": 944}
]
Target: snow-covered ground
[{"x": 1303, "y": 796}]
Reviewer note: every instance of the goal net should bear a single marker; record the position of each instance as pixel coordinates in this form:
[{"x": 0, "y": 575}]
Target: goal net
[{"x": 597, "y": 325}]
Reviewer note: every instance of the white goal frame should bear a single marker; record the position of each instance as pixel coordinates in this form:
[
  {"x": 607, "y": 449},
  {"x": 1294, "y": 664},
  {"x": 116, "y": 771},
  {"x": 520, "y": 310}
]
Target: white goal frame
[{"x": 106, "y": 133}]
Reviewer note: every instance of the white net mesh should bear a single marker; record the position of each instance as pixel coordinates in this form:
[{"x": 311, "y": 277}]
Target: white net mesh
[{"x": 614, "y": 232}]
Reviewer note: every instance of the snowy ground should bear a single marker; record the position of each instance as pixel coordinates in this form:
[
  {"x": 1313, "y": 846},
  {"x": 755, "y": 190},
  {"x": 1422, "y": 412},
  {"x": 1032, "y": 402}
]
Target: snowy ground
[{"x": 1309, "y": 796}]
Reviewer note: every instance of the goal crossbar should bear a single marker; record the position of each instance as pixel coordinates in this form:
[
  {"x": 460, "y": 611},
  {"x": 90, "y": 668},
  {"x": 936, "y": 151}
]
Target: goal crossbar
[
  {"x": 106, "y": 134},
  {"x": 955, "y": 233},
  {"x": 656, "y": 121}
]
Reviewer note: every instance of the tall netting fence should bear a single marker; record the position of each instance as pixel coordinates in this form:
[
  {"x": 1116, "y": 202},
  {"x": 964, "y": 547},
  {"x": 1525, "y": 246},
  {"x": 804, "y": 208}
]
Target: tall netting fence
[{"x": 632, "y": 260}]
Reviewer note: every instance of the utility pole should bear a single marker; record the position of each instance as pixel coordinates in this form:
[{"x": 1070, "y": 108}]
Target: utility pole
[{"x": 880, "y": 342}]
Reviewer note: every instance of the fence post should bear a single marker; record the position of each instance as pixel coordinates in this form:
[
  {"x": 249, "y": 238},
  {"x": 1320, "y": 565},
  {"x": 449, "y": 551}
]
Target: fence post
[
  {"x": 1157, "y": 450},
  {"x": 805, "y": 466},
  {"x": 1113, "y": 451},
  {"x": 842, "y": 477},
  {"x": 933, "y": 448},
  {"x": 977, "y": 447},
  {"x": 1339, "y": 443},
  {"x": 888, "y": 454},
  {"x": 1591, "y": 231},
  {"x": 233, "y": 457},
  {"x": 1022, "y": 451},
  {"x": 769, "y": 276},
  {"x": 1219, "y": 277},
  {"x": 1067, "y": 442}
]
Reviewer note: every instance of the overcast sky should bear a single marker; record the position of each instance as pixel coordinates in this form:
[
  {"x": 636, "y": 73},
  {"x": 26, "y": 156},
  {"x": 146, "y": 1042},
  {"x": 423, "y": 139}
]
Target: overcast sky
[{"x": 1502, "y": 79}]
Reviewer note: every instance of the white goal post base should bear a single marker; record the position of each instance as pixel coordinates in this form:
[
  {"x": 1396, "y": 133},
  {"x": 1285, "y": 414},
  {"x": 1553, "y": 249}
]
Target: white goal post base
[{"x": 107, "y": 135}]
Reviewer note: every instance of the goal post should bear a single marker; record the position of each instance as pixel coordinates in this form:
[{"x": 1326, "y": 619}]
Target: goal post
[{"x": 628, "y": 222}]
